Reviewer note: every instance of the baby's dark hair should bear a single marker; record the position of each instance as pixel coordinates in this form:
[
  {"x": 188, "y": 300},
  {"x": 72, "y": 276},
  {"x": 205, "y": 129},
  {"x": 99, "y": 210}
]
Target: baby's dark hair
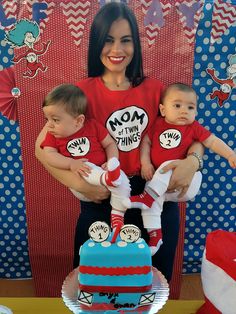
[
  {"x": 179, "y": 86},
  {"x": 71, "y": 97}
]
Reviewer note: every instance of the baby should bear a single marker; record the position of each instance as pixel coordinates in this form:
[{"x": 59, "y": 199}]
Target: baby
[
  {"x": 82, "y": 145},
  {"x": 169, "y": 139}
]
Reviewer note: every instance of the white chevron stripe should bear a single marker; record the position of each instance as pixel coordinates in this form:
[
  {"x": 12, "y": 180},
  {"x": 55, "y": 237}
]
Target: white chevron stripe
[
  {"x": 9, "y": 12},
  {"x": 75, "y": 5},
  {"x": 226, "y": 20},
  {"x": 215, "y": 33},
  {"x": 76, "y": 27},
  {"x": 222, "y": 8},
  {"x": 75, "y": 13},
  {"x": 77, "y": 35},
  {"x": 76, "y": 20},
  {"x": 190, "y": 35},
  {"x": 51, "y": 7},
  {"x": 77, "y": 42},
  {"x": 9, "y": 8},
  {"x": 151, "y": 42},
  {"x": 166, "y": 9},
  {"x": 151, "y": 28},
  {"x": 146, "y": 3},
  {"x": 151, "y": 34}
]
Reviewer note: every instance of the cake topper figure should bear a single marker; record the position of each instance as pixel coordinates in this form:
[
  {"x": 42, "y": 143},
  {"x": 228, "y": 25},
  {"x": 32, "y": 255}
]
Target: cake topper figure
[
  {"x": 130, "y": 233},
  {"x": 99, "y": 232}
]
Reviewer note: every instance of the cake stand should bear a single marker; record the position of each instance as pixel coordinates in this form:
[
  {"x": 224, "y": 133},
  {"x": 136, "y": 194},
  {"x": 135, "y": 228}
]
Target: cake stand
[{"x": 70, "y": 296}]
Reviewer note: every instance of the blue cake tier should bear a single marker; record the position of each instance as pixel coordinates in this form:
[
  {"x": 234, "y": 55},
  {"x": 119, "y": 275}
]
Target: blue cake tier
[{"x": 115, "y": 267}]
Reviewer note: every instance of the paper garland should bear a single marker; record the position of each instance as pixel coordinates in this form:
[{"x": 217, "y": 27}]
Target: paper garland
[
  {"x": 155, "y": 12},
  {"x": 190, "y": 14},
  {"x": 76, "y": 13},
  {"x": 223, "y": 17},
  {"x": 9, "y": 8},
  {"x": 43, "y": 9},
  {"x": 8, "y": 94}
]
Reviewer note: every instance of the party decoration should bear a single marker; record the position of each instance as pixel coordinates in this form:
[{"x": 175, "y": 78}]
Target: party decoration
[
  {"x": 102, "y": 2},
  {"x": 76, "y": 13},
  {"x": 8, "y": 94},
  {"x": 26, "y": 33},
  {"x": 99, "y": 231},
  {"x": 223, "y": 17},
  {"x": 154, "y": 15},
  {"x": 15, "y": 92},
  {"x": 130, "y": 233},
  {"x": 154, "y": 11},
  {"x": 190, "y": 14},
  {"x": 39, "y": 11},
  {"x": 227, "y": 84},
  {"x": 116, "y": 232},
  {"x": 8, "y": 10}
]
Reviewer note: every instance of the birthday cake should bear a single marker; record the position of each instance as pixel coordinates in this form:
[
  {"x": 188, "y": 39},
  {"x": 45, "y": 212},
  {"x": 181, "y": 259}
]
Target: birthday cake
[{"x": 115, "y": 269}]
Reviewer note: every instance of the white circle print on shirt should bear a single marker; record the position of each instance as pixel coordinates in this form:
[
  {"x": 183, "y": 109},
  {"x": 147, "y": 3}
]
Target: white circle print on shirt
[
  {"x": 126, "y": 127},
  {"x": 78, "y": 146},
  {"x": 170, "y": 138}
]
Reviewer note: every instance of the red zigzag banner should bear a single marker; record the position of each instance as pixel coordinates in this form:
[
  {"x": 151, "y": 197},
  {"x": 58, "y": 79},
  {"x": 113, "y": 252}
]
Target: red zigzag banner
[{"x": 224, "y": 16}]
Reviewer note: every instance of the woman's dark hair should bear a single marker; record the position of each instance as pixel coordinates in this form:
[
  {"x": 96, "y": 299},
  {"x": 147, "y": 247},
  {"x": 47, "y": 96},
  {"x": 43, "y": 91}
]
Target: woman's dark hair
[{"x": 101, "y": 25}]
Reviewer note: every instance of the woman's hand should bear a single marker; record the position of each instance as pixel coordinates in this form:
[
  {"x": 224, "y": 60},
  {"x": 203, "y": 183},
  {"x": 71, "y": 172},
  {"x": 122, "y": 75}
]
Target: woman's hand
[{"x": 183, "y": 172}]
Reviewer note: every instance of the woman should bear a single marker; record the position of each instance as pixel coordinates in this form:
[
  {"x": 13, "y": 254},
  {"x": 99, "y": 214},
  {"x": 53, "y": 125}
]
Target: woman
[{"x": 126, "y": 103}]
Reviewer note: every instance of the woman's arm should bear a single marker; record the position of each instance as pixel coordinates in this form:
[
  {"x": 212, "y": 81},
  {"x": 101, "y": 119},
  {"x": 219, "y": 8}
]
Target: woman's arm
[
  {"x": 184, "y": 170},
  {"x": 69, "y": 179}
]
